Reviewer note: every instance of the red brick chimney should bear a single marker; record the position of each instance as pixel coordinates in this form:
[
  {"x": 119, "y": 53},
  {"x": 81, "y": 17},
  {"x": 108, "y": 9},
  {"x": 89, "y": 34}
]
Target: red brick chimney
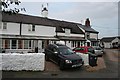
[{"x": 87, "y": 22}]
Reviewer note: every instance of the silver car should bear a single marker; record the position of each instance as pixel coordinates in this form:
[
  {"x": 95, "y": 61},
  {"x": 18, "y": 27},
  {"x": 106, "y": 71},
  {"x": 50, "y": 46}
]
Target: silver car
[{"x": 98, "y": 51}]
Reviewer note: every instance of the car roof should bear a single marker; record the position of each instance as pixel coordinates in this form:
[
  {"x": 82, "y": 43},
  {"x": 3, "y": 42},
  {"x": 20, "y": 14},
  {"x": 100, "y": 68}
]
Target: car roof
[
  {"x": 58, "y": 45},
  {"x": 84, "y": 47}
]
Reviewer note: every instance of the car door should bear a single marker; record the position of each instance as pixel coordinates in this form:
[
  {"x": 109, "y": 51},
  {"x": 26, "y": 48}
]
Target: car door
[
  {"x": 55, "y": 54},
  {"x": 82, "y": 50},
  {"x": 49, "y": 51}
]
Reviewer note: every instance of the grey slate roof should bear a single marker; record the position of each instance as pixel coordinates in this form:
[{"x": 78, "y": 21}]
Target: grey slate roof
[
  {"x": 28, "y": 19},
  {"x": 93, "y": 39},
  {"x": 107, "y": 39},
  {"x": 88, "y": 28}
]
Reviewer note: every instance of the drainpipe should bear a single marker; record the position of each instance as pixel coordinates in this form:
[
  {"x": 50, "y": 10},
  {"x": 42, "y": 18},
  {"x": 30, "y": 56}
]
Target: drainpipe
[{"x": 20, "y": 28}]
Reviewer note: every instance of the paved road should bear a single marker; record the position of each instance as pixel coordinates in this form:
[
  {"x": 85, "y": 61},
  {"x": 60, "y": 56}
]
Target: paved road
[{"x": 111, "y": 70}]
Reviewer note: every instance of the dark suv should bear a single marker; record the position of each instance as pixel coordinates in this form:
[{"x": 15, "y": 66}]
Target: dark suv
[{"x": 63, "y": 56}]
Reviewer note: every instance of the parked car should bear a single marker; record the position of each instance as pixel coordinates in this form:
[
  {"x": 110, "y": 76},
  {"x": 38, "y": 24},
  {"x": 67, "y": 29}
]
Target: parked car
[
  {"x": 84, "y": 49},
  {"x": 63, "y": 56},
  {"x": 98, "y": 51}
]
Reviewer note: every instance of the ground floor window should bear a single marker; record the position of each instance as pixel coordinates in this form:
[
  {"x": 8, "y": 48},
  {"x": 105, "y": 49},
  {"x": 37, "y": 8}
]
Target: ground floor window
[
  {"x": 30, "y": 44},
  {"x": 77, "y": 43},
  {"x": 94, "y": 43},
  {"x": 14, "y": 44},
  {"x": 20, "y": 44},
  {"x": 25, "y": 44},
  {"x": 5, "y": 43}
]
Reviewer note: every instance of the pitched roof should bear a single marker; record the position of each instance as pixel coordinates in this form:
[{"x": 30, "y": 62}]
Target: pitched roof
[
  {"x": 93, "y": 39},
  {"x": 118, "y": 37},
  {"x": 107, "y": 39},
  {"x": 87, "y": 29},
  {"x": 28, "y": 19}
]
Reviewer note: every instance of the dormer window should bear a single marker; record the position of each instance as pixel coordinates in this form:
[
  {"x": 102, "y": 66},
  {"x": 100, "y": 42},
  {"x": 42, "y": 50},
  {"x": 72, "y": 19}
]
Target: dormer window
[{"x": 67, "y": 31}]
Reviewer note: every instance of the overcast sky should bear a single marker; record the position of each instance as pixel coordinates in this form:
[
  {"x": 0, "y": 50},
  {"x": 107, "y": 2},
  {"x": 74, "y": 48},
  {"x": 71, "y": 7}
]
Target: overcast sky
[{"x": 103, "y": 15}]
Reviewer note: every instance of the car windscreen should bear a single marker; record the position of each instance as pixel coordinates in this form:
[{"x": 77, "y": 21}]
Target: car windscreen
[{"x": 65, "y": 51}]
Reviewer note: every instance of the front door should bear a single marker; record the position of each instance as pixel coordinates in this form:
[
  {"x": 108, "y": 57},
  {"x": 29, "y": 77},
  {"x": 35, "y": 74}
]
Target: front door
[{"x": 40, "y": 49}]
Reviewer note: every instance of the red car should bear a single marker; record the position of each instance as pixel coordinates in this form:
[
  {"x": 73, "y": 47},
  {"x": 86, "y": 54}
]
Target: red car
[{"x": 84, "y": 49}]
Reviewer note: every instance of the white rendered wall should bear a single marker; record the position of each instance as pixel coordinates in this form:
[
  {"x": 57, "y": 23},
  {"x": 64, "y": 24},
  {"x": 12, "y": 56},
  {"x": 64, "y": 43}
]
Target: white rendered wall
[
  {"x": 28, "y": 61},
  {"x": 107, "y": 44},
  {"x": 39, "y": 30},
  {"x": 93, "y": 35},
  {"x": 85, "y": 58},
  {"x": 115, "y": 40},
  {"x": 12, "y": 29}
]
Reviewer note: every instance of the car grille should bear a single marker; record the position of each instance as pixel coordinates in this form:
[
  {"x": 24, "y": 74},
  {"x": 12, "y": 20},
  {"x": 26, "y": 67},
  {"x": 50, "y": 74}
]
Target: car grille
[{"x": 77, "y": 61}]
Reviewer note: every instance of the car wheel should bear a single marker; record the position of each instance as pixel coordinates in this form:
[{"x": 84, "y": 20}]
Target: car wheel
[
  {"x": 46, "y": 58},
  {"x": 101, "y": 55},
  {"x": 61, "y": 65}
]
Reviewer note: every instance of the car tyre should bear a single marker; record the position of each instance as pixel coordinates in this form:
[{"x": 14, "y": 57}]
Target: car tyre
[
  {"x": 47, "y": 58},
  {"x": 61, "y": 65}
]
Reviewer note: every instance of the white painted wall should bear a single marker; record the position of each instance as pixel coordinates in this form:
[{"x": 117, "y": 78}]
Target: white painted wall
[
  {"x": 28, "y": 61},
  {"x": 12, "y": 29},
  {"x": 84, "y": 57},
  {"x": 39, "y": 30},
  {"x": 107, "y": 44},
  {"x": 93, "y": 35},
  {"x": 75, "y": 35},
  {"x": 115, "y": 40},
  {"x": 68, "y": 43}
]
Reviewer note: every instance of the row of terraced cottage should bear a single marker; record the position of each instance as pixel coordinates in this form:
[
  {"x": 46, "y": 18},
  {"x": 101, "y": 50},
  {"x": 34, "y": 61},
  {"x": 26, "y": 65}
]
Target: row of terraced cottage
[{"x": 24, "y": 33}]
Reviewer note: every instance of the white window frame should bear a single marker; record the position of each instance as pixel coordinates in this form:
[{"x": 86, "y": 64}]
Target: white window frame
[{"x": 4, "y": 25}]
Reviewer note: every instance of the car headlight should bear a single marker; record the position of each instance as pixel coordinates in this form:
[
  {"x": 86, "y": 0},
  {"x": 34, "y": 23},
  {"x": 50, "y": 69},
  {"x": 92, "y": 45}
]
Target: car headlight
[{"x": 68, "y": 61}]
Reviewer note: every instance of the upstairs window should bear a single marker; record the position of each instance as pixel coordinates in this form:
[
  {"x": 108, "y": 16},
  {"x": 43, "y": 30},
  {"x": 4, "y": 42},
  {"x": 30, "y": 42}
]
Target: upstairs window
[
  {"x": 4, "y": 25},
  {"x": 67, "y": 31},
  {"x": 33, "y": 27}
]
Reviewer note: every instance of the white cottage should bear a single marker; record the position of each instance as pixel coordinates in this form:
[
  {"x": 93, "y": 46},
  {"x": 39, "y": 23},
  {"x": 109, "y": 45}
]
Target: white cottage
[
  {"x": 110, "y": 42},
  {"x": 26, "y": 33},
  {"x": 91, "y": 35}
]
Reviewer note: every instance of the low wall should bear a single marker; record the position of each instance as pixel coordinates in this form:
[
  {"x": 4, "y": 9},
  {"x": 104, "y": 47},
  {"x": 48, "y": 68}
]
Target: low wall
[
  {"x": 84, "y": 57},
  {"x": 28, "y": 61}
]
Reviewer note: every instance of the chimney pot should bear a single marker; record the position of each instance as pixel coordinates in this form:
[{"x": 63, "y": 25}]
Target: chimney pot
[{"x": 87, "y": 22}]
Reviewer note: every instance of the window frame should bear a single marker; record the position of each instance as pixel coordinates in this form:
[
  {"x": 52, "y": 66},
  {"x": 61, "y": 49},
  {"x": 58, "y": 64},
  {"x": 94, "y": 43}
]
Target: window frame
[
  {"x": 4, "y": 26},
  {"x": 33, "y": 27}
]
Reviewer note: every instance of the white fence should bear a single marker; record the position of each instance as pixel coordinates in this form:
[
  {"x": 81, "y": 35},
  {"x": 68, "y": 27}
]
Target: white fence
[{"x": 28, "y": 61}]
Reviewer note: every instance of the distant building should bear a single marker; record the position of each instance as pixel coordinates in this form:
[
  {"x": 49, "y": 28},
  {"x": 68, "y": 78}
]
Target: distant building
[
  {"x": 25, "y": 33},
  {"x": 110, "y": 42}
]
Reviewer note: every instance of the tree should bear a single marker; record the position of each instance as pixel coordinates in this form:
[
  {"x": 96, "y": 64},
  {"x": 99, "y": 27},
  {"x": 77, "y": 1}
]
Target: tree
[{"x": 6, "y": 6}]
